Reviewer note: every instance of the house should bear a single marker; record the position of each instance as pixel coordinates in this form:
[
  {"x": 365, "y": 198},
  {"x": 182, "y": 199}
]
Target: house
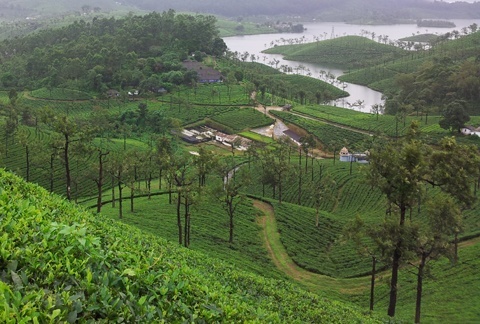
[
  {"x": 240, "y": 143},
  {"x": 205, "y": 73},
  {"x": 197, "y": 135},
  {"x": 346, "y": 156},
  {"x": 470, "y": 130}
]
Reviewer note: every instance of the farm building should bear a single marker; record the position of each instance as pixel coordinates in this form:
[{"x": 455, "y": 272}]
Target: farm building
[
  {"x": 197, "y": 135},
  {"x": 470, "y": 130},
  {"x": 346, "y": 156},
  {"x": 241, "y": 143},
  {"x": 205, "y": 74}
]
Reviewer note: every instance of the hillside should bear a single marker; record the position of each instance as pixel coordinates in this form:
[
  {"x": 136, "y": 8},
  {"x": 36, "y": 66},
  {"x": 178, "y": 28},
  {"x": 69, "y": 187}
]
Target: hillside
[
  {"x": 59, "y": 263},
  {"x": 356, "y": 52},
  {"x": 355, "y": 11}
]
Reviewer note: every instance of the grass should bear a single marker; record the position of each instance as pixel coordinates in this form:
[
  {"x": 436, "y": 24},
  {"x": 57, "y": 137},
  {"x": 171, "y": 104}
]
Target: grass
[
  {"x": 356, "y": 52},
  {"x": 209, "y": 230},
  {"x": 87, "y": 268}
]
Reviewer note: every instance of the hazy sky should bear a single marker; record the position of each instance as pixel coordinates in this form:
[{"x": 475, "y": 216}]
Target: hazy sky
[{"x": 471, "y": 1}]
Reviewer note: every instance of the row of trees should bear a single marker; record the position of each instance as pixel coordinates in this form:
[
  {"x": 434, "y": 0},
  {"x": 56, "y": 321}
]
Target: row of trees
[
  {"x": 413, "y": 175},
  {"x": 440, "y": 86}
]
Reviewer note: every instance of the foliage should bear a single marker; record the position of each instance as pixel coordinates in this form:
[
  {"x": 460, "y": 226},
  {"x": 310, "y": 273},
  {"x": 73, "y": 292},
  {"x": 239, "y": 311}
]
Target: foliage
[
  {"x": 242, "y": 119},
  {"x": 60, "y": 94},
  {"x": 110, "y": 53},
  {"x": 127, "y": 275},
  {"x": 357, "y": 52}
]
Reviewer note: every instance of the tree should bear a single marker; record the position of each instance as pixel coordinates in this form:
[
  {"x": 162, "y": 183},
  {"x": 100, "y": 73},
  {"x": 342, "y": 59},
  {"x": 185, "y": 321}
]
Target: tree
[
  {"x": 72, "y": 132},
  {"x": 229, "y": 193},
  {"x": 454, "y": 116},
  {"x": 307, "y": 143},
  {"x": 400, "y": 171},
  {"x": 119, "y": 168},
  {"x": 204, "y": 162},
  {"x": 321, "y": 190},
  {"x": 433, "y": 240}
]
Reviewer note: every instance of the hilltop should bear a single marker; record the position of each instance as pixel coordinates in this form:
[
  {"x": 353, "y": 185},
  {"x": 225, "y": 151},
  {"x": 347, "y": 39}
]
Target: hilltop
[{"x": 60, "y": 263}]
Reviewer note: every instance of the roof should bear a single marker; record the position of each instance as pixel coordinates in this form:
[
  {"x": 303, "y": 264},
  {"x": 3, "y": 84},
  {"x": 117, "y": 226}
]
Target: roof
[{"x": 205, "y": 73}]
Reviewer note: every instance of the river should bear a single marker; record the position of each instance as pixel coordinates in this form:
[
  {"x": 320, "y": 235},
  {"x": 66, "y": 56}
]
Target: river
[{"x": 255, "y": 44}]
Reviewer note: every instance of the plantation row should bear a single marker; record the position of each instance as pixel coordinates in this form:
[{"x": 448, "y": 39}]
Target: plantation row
[
  {"x": 138, "y": 278},
  {"x": 330, "y": 136}
]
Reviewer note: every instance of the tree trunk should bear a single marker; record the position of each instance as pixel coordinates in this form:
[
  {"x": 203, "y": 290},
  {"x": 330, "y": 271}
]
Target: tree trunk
[
  {"x": 418, "y": 303},
  {"x": 179, "y": 219},
  {"x": 395, "y": 267},
  {"x": 230, "y": 213},
  {"x": 372, "y": 282},
  {"x": 100, "y": 182},
  {"x": 300, "y": 187},
  {"x": 52, "y": 158},
  {"x": 27, "y": 156},
  {"x": 113, "y": 191},
  {"x": 132, "y": 196},
  {"x": 120, "y": 205},
  {"x": 67, "y": 168}
]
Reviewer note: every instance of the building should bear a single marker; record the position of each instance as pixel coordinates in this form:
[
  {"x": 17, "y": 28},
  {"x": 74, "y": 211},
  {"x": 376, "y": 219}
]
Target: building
[
  {"x": 205, "y": 73},
  {"x": 346, "y": 156}
]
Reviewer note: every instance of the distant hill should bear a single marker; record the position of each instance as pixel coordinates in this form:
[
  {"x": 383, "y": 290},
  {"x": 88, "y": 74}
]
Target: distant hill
[
  {"x": 47, "y": 8},
  {"x": 340, "y": 10},
  {"x": 371, "y": 11}
]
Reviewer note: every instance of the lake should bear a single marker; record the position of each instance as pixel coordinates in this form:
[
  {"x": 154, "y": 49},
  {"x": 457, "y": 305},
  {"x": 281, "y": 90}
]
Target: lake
[{"x": 255, "y": 44}]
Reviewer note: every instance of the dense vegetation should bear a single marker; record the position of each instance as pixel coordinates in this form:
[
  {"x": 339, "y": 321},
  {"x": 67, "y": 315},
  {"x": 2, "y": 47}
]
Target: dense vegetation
[
  {"x": 123, "y": 156},
  {"x": 356, "y": 52},
  {"x": 137, "y": 51},
  {"x": 128, "y": 275}
]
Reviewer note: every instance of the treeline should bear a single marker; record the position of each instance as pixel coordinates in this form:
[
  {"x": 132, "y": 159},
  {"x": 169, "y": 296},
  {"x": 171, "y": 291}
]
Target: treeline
[
  {"x": 106, "y": 53},
  {"x": 442, "y": 85}
]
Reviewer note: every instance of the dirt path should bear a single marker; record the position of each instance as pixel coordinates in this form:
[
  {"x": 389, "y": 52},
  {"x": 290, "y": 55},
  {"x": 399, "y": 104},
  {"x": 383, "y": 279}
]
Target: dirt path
[
  {"x": 342, "y": 288},
  {"x": 312, "y": 281}
]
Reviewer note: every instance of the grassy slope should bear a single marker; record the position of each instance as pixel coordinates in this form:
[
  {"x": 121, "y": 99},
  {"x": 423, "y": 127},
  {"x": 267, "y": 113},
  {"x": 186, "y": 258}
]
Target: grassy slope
[
  {"x": 381, "y": 76},
  {"x": 356, "y": 52},
  {"x": 60, "y": 263}
]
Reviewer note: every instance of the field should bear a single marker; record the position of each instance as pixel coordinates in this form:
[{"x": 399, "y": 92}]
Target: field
[
  {"x": 60, "y": 94},
  {"x": 356, "y": 52},
  {"x": 89, "y": 268}
]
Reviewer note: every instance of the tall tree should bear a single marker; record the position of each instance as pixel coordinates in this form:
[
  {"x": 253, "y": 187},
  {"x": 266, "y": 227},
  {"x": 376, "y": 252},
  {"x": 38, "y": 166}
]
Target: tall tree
[
  {"x": 229, "y": 192},
  {"x": 72, "y": 132},
  {"x": 400, "y": 171}
]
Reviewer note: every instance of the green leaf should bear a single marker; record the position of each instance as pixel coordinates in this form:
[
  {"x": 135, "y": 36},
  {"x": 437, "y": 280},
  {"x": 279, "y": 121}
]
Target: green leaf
[
  {"x": 72, "y": 317},
  {"x": 17, "y": 280},
  {"x": 129, "y": 272},
  {"x": 12, "y": 265},
  {"x": 142, "y": 300}
]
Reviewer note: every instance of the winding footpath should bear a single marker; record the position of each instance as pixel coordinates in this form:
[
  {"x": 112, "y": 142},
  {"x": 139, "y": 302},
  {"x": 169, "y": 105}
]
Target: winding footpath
[{"x": 314, "y": 282}]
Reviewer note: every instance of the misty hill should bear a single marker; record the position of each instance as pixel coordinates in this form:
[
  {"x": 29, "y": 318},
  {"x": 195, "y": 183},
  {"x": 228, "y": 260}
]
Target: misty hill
[
  {"x": 11, "y": 9},
  {"x": 62, "y": 264},
  {"x": 359, "y": 11},
  {"x": 340, "y": 10}
]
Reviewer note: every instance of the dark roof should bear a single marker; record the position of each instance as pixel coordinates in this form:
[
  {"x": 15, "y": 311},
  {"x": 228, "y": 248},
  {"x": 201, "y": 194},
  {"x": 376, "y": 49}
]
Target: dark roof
[{"x": 205, "y": 73}]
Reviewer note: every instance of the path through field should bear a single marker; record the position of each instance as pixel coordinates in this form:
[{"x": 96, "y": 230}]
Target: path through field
[{"x": 323, "y": 285}]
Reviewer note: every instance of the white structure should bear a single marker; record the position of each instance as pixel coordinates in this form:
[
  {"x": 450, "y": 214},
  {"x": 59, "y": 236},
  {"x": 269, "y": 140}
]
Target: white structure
[{"x": 346, "y": 156}]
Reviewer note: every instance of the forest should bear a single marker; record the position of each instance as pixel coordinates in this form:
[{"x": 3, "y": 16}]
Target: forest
[{"x": 134, "y": 223}]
